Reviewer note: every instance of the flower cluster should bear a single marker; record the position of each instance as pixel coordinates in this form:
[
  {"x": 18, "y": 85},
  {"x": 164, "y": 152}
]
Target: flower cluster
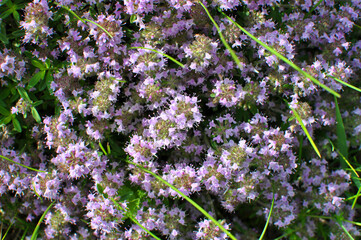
[{"x": 95, "y": 94}]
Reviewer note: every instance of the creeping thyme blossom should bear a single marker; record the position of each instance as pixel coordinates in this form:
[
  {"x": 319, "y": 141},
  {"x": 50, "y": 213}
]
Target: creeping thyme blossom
[
  {"x": 208, "y": 230},
  {"x": 142, "y": 150},
  {"x": 183, "y": 177},
  {"x": 10, "y": 66},
  {"x": 227, "y": 93},
  {"x": 14, "y": 178},
  {"x": 146, "y": 61},
  {"x": 168, "y": 129},
  {"x": 58, "y": 222},
  {"x": 77, "y": 160},
  {"x": 104, "y": 216},
  {"x": 35, "y": 23},
  {"x": 223, "y": 136},
  {"x": 323, "y": 187},
  {"x": 47, "y": 185},
  {"x": 168, "y": 221},
  {"x": 202, "y": 52}
]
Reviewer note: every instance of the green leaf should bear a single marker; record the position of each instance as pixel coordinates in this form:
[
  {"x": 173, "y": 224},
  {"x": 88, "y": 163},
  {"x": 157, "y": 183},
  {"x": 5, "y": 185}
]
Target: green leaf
[
  {"x": 47, "y": 63},
  {"x": 128, "y": 213},
  {"x": 16, "y": 124},
  {"x": 24, "y": 94},
  {"x": 36, "y": 193},
  {"x": 37, "y": 103},
  {"x": 134, "y": 197},
  {"x": 3, "y": 2},
  {"x": 6, "y": 233},
  {"x": 16, "y": 16},
  {"x": 101, "y": 190},
  {"x": 4, "y": 38},
  {"x": 6, "y": 13},
  {"x": 4, "y": 111},
  {"x": 5, "y": 92},
  {"x": 102, "y": 148},
  {"x": 312, "y": 9},
  {"x": 36, "y": 115},
  {"x": 10, "y": 4},
  {"x": 133, "y": 18},
  {"x": 354, "y": 175},
  {"x": 135, "y": 220},
  {"x": 345, "y": 230},
  {"x": 17, "y": 34},
  {"x": 48, "y": 79},
  {"x": 108, "y": 149},
  {"x": 35, "y": 79},
  {"x": 6, "y": 120},
  {"x": 38, "y": 64}
]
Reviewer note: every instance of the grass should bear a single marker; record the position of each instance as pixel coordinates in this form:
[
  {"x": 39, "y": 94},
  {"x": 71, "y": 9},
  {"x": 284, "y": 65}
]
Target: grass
[{"x": 341, "y": 143}]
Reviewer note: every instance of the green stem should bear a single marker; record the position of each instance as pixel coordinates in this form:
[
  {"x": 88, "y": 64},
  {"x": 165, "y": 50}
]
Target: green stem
[
  {"x": 186, "y": 198},
  {"x": 299, "y": 119},
  {"x": 233, "y": 54},
  {"x": 35, "y": 233},
  {"x": 280, "y": 56},
  {"x": 165, "y": 55},
  {"x": 86, "y": 20},
  {"x": 268, "y": 219},
  {"x": 30, "y": 168},
  {"x": 313, "y": 8},
  {"x": 344, "y": 83},
  {"x": 134, "y": 219}
]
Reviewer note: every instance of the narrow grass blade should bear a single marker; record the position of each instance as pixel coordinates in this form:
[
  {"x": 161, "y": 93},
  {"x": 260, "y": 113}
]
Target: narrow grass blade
[
  {"x": 352, "y": 222},
  {"x": 25, "y": 232},
  {"x": 186, "y": 198},
  {"x": 358, "y": 26},
  {"x": 313, "y": 9},
  {"x": 341, "y": 134},
  {"x": 135, "y": 220},
  {"x": 345, "y": 83},
  {"x": 268, "y": 219},
  {"x": 165, "y": 55},
  {"x": 233, "y": 54},
  {"x": 356, "y": 197},
  {"x": 85, "y": 20},
  {"x": 344, "y": 158},
  {"x": 349, "y": 164},
  {"x": 354, "y": 175},
  {"x": 102, "y": 148},
  {"x": 101, "y": 191},
  {"x": 35, "y": 233},
  {"x": 108, "y": 149},
  {"x": 306, "y": 132},
  {"x": 30, "y": 168},
  {"x": 345, "y": 230},
  {"x": 7, "y": 230},
  {"x": 36, "y": 193},
  {"x": 280, "y": 56}
]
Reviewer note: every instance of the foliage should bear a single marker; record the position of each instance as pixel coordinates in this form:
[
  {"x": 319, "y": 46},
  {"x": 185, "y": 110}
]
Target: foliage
[{"x": 180, "y": 119}]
